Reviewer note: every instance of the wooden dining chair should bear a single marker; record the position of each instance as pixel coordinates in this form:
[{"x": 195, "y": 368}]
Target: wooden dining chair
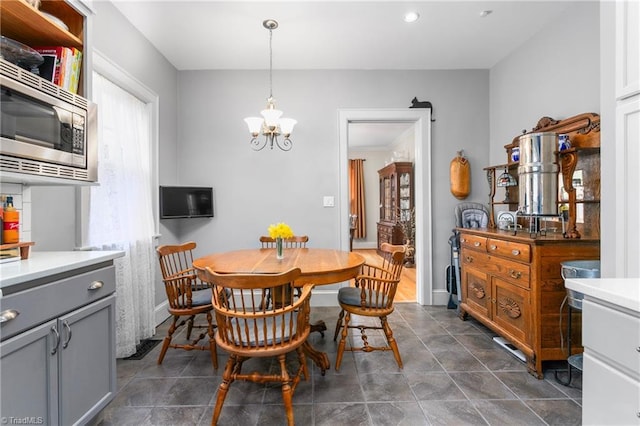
[
  {"x": 297, "y": 241},
  {"x": 187, "y": 297},
  {"x": 248, "y": 327},
  {"x": 372, "y": 296}
]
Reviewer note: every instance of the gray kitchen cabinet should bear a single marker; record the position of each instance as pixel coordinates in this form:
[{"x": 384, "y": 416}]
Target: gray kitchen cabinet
[{"x": 61, "y": 371}]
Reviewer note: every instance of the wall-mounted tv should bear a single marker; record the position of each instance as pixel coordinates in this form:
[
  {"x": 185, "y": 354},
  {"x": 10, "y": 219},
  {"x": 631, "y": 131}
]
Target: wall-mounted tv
[{"x": 185, "y": 202}]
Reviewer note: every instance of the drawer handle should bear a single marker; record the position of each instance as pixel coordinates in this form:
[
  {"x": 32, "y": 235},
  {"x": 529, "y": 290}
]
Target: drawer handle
[
  {"x": 515, "y": 252},
  {"x": 66, "y": 343},
  {"x": 8, "y": 315},
  {"x": 54, "y": 330},
  {"x": 96, "y": 285},
  {"x": 493, "y": 247},
  {"x": 476, "y": 244},
  {"x": 515, "y": 274},
  {"x": 469, "y": 259}
]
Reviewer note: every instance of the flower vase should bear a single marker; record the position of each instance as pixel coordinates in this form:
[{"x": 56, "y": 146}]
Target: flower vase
[{"x": 279, "y": 249}]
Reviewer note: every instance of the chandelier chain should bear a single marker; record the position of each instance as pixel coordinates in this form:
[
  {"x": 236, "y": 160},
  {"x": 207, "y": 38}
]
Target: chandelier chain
[{"x": 270, "y": 64}]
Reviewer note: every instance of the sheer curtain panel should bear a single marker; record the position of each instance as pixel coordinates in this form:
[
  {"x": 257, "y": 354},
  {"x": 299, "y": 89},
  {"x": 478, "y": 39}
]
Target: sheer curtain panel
[
  {"x": 120, "y": 211},
  {"x": 356, "y": 194}
]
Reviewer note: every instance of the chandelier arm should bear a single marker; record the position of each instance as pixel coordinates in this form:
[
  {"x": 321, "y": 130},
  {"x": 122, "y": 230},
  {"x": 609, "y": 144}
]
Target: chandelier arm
[
  {"x": 285, "y": 144},
  {"x": 258, "y": 144}
]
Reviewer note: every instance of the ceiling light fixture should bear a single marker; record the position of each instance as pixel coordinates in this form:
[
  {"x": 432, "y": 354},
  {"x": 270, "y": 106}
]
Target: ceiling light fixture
[
  {"x": 270, "y": 124},
  {"x": 411, "y": 16},
  {"x": 485, "y": 13}
]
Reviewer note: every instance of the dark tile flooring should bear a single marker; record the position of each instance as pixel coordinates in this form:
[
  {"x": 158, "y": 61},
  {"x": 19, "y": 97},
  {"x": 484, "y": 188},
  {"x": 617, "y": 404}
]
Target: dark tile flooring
[{"x": 454, "y": 374}]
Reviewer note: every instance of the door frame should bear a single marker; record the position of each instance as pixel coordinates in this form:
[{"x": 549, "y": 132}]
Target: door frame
[{"x": 421, "y": 119}]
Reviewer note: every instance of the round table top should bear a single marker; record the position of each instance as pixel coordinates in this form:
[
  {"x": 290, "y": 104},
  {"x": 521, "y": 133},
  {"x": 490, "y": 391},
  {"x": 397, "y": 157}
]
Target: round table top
[{"x": 317, "y": 266}]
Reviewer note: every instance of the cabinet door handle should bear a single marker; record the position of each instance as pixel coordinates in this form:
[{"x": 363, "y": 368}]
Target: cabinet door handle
[
  {"x": 638, "y": 349},
  {"x": 68, "y": 328},
  {"x": 8, "y": 315},
  {"x": 56, "y": 342},
  {"x": 96, "y": 285},
  {"x": 476, "y": 244},
  {"x": 493, "y": 247},
  {"x": 469, "y": 259},
  {"x": 515, "y": 274},
  {"x": 515, "y": 252}
]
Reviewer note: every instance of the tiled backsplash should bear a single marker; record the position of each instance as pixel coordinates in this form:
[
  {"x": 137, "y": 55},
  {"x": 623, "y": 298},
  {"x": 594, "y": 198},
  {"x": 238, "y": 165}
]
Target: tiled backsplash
[{"x": 22, "y": 202}]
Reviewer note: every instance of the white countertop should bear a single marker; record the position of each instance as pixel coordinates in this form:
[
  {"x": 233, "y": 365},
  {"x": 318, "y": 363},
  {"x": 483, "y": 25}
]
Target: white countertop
[
  {"x": 45, "y": 263},
  {"x": 623, "y": 292}
]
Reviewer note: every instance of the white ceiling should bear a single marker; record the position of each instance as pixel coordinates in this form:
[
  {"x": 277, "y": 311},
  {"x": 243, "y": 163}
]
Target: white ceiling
[{"x": 337, "y": 34}]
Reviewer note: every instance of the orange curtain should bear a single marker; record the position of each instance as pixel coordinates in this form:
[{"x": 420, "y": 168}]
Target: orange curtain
[{"x": 356, "y": 196}]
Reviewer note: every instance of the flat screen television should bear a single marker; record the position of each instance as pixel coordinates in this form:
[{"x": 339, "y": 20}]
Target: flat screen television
[{"x": 185, "y": 202}]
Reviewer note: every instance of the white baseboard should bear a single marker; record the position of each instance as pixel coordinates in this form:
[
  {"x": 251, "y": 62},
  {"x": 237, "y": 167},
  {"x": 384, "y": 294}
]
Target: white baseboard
[
  {"x": 441, "y": 297},
  {"x": 161, "y": 313},
  {"x": 364, "y": 245}
]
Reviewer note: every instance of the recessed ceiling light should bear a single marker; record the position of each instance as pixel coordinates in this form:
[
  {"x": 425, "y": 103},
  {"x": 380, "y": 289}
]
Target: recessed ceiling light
[
  {"x": 411, "y": 16},
  {"x": 485, "y": 13}
]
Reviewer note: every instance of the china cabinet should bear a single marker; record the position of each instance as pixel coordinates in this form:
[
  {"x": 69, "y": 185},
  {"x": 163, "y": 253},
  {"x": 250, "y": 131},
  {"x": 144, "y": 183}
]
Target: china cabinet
[{"x": 396, "y": 202}]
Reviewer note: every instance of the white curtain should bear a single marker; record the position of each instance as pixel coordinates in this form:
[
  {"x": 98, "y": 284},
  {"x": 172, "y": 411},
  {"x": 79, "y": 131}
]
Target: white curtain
[{"x": 120, "y": 212}]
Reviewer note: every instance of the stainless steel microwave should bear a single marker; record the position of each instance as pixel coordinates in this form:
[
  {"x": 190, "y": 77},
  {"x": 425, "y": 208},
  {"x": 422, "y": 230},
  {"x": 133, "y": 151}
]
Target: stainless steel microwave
[{"x": 45, "y": 130}]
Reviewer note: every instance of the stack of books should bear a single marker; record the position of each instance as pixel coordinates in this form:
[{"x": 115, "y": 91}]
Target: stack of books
[{"x": 61, "y": 66}]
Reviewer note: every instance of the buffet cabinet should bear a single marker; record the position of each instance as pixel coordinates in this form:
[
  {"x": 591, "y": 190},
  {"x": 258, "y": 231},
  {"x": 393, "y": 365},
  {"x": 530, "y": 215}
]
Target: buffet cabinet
[
  {"x": 396, "y": 202},
  {"x": 58, "y": 348},
  {"x": 512, "y": 284}
]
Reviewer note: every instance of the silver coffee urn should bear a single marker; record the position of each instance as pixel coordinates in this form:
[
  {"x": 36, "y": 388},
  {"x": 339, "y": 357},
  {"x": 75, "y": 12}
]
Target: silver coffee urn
[{"x": 538, "y": 175}]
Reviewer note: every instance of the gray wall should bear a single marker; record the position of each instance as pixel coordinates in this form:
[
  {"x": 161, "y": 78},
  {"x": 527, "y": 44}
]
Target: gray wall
[
  {"x": 254, "y": 189},
  {"x": 204, "y": 141},
  {"x": 555, "y": 74}
]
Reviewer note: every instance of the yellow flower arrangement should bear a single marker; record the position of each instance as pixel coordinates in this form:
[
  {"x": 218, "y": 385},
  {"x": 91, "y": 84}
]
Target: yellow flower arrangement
[{"x": 280, "y": 230}]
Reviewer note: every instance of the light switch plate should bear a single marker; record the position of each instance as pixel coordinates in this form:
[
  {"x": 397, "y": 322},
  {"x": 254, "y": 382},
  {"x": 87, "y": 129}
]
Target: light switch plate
[{"x": 328, "y": 201}]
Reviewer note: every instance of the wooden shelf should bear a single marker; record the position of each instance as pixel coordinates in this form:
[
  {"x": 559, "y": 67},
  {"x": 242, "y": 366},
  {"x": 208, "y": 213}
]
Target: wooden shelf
[
  {"x": 24, "y": 248},
  {"x": 24, "y": 23}
]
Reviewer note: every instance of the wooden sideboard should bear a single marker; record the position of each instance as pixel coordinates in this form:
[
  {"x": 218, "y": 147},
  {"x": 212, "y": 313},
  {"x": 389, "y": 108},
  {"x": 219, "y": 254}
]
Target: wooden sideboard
[{"x": 511, "y": 283}]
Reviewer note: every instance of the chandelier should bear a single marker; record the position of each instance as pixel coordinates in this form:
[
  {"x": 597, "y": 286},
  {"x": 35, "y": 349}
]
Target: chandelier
[{"x": 271, "y": 125}]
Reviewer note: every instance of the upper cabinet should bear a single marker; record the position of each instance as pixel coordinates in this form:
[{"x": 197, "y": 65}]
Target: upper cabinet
[
  {"x": 45, "y": 26},
  {"x": 627, "y": 49}
]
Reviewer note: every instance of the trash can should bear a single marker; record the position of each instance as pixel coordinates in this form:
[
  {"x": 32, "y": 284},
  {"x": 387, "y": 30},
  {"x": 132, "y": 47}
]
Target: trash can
[{"x": 579, "y": 269}]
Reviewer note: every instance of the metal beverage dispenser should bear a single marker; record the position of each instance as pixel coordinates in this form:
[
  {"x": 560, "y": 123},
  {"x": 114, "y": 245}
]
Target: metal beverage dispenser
[{"x": 538, "y": 175}]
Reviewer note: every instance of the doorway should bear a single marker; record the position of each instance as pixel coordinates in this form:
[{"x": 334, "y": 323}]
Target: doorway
[{"x": 421, "y": 120}]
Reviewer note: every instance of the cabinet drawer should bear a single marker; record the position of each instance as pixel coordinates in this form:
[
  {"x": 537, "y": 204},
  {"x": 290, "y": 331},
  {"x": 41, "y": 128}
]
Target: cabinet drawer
[
  {"x": 514, "y": 272},
  {"x": 623, "y": 346},
  {"x": 40, "y": 304},
  {"x": 509, "y": 249},
  {"x": 473, "y": 242}
]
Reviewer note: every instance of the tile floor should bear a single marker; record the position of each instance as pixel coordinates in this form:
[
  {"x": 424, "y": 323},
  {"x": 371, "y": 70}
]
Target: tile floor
[{"x": 454, "y": 374}]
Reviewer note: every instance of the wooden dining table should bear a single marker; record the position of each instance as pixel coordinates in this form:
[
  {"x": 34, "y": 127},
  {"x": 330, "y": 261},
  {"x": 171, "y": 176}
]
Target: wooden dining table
[{"x": 317, "y": 266}]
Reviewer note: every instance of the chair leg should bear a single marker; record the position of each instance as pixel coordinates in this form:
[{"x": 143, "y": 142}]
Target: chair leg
[
  {"x": 338, "y": 323},
  {"x": 391, "y": 340},
  {"x": 167, "y": 339},
  {"x": 227, "y": 379},
  {"x": 287, "y": 393},
  {"x": 190, "y": 326},
  {"x": 302, "y": 359},
  {"x": 343, "y": 340},
  {"x": 212, "y": 341}
]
